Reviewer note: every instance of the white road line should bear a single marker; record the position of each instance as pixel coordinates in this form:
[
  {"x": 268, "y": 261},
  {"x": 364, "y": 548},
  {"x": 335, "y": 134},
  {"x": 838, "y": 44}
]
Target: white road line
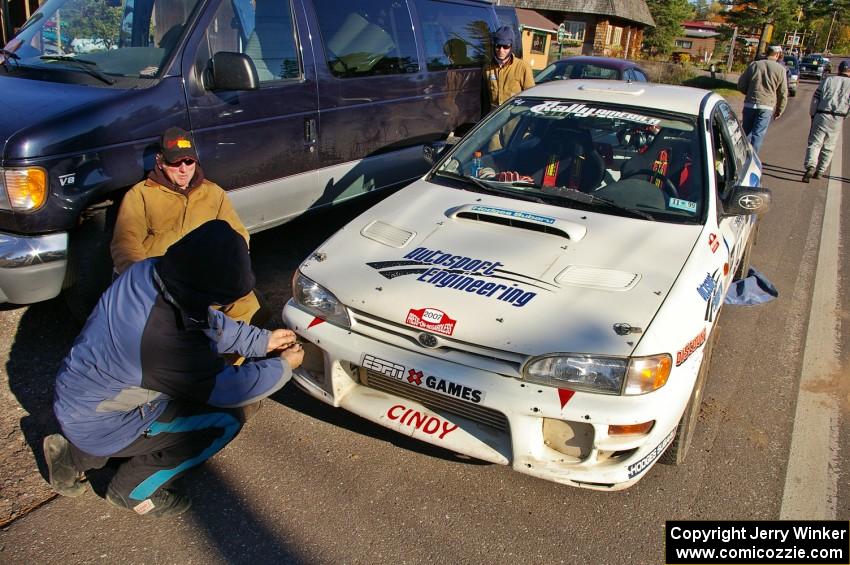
[{"x": 811, "y": 480}]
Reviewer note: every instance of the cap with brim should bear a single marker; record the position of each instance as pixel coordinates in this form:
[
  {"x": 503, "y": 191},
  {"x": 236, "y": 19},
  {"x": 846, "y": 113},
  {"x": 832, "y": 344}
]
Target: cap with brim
[
  {"x": 177, "y": 144},
  {"x": 844, "y": 67},
  {"x": 774, "y": 49}
]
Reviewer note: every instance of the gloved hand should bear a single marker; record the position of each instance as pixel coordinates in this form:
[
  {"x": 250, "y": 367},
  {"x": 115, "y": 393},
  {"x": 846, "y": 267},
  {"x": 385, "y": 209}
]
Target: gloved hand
[{"x": 513, "y": 176}]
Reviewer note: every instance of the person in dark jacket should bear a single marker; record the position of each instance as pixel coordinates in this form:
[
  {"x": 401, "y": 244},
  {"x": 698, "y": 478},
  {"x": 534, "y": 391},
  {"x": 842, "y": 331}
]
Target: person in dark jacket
[{"x": 145, "y": 379}]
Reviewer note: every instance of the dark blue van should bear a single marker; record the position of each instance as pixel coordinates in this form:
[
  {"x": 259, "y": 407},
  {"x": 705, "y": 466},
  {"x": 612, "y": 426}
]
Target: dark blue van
[{"x": 293, "y": 105}]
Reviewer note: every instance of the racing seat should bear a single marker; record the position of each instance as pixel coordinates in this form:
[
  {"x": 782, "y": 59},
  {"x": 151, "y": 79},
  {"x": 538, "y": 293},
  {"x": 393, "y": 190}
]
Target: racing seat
[
  {"x": 670, "y": 157},
  {"x": 570, "y": 159}
]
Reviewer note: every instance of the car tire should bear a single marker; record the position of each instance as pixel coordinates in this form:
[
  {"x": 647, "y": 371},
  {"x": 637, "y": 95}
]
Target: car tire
[
  {"x": 89, "y": 270},
  {"x": 743, "y": 268},
  {"x": 678, "y": 450}
]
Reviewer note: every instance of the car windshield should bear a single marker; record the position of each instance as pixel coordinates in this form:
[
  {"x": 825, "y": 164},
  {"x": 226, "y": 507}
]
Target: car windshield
[
  {"x": 567, "y": 70},
  {"x": 613, "y": 159},
  {"x": 103, "y": 39},
  {"x": 812, "y": 59}
]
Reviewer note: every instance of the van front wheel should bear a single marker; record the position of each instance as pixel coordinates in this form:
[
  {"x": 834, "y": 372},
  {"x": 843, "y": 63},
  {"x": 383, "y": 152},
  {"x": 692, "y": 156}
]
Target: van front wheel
[{"x": 89, "y": 269}]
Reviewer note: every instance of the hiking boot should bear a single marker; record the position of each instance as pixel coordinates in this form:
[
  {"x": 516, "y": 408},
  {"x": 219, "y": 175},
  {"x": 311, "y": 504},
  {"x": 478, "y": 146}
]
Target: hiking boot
[
  {"x": 817, "y": 175},
  {"x": 807, "y": 176},
  {"x": 63, "y": 477},
  {"x": 164, "y": 503}
]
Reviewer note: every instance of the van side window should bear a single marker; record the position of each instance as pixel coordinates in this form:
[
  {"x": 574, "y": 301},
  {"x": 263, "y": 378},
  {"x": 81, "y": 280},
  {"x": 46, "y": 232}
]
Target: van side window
[
  {"x": 367, "y": 37},
  {"x": 263, "y": 30},
  {"x": 456, "y": 35}
]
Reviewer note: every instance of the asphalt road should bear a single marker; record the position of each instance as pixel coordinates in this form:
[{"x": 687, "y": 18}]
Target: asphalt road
[{"x": 305, "y": 483}]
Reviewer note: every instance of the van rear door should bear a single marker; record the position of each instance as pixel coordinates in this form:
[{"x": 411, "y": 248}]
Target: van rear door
[{"x": 260, "y": 145}]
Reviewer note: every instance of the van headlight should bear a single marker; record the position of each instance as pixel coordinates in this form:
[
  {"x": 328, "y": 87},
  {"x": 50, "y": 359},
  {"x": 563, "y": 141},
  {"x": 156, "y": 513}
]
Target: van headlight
[
  {"x": 606, "y": 375},
  {"x": 23, "y": 190},
  {"x": 319, "y": 301}
]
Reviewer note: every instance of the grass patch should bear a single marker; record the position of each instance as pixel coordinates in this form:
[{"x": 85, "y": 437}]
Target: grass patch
[{"x": 720, "y": 86}]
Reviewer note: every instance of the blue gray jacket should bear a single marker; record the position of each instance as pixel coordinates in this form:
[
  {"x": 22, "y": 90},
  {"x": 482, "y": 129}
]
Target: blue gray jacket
[{"x": 138, "y": 351}]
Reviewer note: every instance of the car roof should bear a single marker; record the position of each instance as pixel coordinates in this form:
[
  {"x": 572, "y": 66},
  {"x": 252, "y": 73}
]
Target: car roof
[
  {"x": 679, "y": 99},
  {"x": 609, "y": 62}
]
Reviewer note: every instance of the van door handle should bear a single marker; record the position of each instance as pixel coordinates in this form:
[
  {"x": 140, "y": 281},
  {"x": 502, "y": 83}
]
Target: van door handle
[{"x": 309, "y": 131}]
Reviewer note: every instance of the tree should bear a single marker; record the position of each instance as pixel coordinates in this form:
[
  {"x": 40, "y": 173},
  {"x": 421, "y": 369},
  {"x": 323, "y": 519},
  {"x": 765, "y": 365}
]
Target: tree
[{"x": 668, "y": 16}]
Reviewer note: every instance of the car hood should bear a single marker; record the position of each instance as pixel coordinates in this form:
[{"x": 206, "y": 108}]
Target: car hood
[{"x": 503, "y": 273}]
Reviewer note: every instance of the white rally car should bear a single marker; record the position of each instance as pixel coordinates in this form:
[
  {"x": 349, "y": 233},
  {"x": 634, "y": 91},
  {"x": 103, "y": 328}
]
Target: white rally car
[{"x": 546, "y": 296}]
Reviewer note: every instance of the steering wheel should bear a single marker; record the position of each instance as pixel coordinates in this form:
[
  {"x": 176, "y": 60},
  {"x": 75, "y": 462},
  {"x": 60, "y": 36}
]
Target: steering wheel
[{"x": 666, "y": 185}]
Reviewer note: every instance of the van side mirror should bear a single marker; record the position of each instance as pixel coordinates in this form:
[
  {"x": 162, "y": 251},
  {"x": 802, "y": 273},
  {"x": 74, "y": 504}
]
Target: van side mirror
[
  {"x": 433, "y": 151},
  {"x": 746, "y": 200},
  {"x": 231, "y": 71}
]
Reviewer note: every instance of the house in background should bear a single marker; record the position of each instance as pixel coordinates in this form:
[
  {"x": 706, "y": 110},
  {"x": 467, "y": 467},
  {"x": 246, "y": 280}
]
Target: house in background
[
  {"x": 699, "y": 40},
  {"x": 539, "y": 38},
  {"x": 595, "y": 27}
]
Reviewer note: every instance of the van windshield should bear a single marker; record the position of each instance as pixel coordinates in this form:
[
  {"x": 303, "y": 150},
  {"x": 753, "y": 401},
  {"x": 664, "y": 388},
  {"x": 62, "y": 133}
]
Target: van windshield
[{"x": 102, "y": 39}]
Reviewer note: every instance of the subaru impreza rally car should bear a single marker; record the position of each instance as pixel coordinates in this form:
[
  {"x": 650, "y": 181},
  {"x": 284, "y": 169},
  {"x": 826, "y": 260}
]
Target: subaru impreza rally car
[{"x": 546, "y": 296}]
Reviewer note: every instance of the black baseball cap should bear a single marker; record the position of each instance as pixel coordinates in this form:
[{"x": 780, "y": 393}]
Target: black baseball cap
[{"x": 177, "y": 144}]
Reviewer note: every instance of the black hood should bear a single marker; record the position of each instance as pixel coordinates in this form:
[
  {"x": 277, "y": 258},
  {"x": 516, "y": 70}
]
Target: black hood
[{"x": 210, "y": 265}]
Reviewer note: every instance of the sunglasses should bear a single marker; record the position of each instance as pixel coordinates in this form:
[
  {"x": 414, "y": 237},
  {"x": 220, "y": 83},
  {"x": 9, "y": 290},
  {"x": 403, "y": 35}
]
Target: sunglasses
[
  {"x": 188, "y": 162},
  {"x": 502, "y": 46}
]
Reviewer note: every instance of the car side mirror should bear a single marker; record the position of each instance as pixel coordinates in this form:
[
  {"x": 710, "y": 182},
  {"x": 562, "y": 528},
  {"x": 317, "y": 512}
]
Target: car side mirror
[
  {"x": 434, "y": 151},
  {"x": 231, "y": 71},
  {"x": 746, "y": 200}
]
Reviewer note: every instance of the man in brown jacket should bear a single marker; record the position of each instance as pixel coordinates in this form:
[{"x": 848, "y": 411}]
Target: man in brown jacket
[
  {"x": 505, "y": 75},
  {"x": 173, "y": 201}
]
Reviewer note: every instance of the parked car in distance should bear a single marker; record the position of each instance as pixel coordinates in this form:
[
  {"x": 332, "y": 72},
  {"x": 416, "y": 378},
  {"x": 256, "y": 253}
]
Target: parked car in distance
[
  {"x": 792, "y": 68},
  {"x": 550, "y": 303},
  {"x": 814, "y": 66},
  {"x": 584, "y": 67}
]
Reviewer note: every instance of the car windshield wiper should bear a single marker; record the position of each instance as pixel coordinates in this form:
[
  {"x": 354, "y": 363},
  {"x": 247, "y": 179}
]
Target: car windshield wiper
[
  {"x": 487, "y": 187},
  {"x": 89, "y": 67},
  {"x": 8, "y": 56},
  {"x": 601, "y": 201}
]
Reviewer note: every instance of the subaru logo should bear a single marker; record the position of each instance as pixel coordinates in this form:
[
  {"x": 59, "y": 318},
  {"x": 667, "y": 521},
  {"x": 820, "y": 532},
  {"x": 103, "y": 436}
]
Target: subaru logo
[{"x": 427, "y": 340}]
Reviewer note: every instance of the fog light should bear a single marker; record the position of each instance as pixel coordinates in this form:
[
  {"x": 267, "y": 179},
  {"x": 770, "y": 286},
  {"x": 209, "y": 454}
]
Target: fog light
[
  {"x": 630, "y": 429},
  {"x": 574, "y": 439}
]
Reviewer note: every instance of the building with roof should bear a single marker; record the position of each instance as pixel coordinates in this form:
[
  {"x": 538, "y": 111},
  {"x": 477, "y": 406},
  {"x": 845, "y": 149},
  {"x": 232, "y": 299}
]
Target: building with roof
[
  {"x": 595, "y": 27},
  {"x": 699, "y": 40},
  {"x": 539, "y": 37}
]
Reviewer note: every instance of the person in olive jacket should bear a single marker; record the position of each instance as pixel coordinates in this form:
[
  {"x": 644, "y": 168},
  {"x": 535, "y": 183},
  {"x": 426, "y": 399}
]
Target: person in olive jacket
[
  {"x": 765, "y": 86},
  {"x": 174, "y": 200}
]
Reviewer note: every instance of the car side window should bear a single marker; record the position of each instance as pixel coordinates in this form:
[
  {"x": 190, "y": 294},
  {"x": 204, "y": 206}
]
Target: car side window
[
  {"x": 735, "y": 133},
  {"x": 639, "y": 76},
  {"x": 456, "y": 35},
  {"x": 723, "y": 161},
  {"x": 367, "y": 37},
  {"x": 263, "y": 30}
]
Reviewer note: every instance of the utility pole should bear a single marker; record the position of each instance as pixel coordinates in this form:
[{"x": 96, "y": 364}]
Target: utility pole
[
  {"x": 828, "y": 35},
  {"x": 731, "y": 50}
]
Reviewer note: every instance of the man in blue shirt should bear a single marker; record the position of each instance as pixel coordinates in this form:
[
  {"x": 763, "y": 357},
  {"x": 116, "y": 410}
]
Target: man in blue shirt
[{"x": 145, "y": 379}]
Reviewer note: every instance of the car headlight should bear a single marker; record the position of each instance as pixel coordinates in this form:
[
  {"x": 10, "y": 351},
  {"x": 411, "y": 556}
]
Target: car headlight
[
  {"x": 319, "y": 301},
  {"x": 23, "y": 189},
  {"x": 606, "y": 375}
]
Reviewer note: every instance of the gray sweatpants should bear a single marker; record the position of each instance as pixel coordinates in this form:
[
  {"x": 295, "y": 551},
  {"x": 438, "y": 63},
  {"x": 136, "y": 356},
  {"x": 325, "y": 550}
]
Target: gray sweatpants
[{"x": 822, "y": 138}]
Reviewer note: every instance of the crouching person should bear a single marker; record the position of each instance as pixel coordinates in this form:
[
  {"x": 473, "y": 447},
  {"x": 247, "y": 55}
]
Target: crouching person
[{"x": 145, "y": 379}]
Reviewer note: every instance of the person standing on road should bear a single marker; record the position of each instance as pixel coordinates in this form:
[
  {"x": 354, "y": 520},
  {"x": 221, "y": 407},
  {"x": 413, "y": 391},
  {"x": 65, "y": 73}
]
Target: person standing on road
[
  {"x": 830, "y": 106},
  {"x": 505, "y": 75},
  {"x": 765, "y": 85},
  {"x": 145, "y": 379},
  {"x": 174, "y": 200}
]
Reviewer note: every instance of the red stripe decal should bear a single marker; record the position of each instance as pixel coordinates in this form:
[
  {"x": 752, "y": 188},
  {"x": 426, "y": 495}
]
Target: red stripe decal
[{"x": 316, "y": 321}]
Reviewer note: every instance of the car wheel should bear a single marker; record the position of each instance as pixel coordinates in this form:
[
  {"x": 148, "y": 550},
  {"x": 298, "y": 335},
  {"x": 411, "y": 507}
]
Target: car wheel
[
  {"x": 89, "y": 269},
  {"x": 678, "y": 450},
  {"x": 743, "y": 268}
]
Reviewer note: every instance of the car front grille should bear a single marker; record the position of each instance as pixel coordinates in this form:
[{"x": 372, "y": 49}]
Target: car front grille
[{"x": 435, "y": 401}]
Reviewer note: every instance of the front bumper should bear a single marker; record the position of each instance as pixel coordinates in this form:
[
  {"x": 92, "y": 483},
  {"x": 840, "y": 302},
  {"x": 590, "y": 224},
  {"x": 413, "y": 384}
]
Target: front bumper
[
  {"x": 32, "y": 269},
  {"x": 561, "y": 436}
]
